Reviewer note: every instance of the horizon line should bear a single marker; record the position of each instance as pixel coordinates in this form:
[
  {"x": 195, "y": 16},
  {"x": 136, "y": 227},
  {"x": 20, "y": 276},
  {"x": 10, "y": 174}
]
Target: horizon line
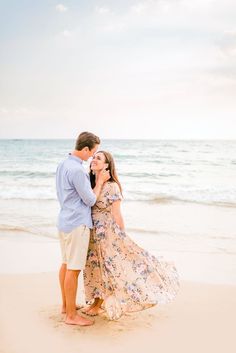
[{"x": 128, "y": 139}]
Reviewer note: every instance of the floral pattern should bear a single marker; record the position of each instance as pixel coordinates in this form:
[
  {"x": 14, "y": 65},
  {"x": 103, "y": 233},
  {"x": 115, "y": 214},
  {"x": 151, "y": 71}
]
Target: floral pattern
[{"x": 125, "y": 276}]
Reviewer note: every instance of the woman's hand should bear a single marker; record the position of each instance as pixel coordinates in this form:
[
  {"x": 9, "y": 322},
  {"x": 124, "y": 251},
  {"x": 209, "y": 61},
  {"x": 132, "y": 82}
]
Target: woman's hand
[{"x": 103, "y": 176}]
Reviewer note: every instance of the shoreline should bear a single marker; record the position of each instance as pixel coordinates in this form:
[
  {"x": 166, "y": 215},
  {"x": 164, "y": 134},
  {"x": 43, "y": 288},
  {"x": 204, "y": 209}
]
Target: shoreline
[{"x": 25, "y": 253}]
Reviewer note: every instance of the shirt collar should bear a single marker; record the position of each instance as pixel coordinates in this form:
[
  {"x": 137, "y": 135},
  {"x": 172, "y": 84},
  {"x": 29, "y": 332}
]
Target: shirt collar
[{"x": 77, "y": 159}]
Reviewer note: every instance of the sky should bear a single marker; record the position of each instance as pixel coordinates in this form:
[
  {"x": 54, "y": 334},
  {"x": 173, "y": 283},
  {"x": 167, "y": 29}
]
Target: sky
[{"x": 122, "y": 69}]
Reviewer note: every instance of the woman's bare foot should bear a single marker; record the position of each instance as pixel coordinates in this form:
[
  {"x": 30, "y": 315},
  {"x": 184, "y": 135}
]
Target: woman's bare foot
[
  {"x": 63, "y": 310},
  {"x": 86, "y": 309},
  {"x": 78, "y": 320},
  {"x": 96, "y": 310}
]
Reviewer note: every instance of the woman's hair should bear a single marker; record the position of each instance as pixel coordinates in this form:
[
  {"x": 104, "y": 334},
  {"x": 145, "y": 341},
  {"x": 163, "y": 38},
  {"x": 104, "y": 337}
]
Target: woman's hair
[
  {"x": 86, "y": 139},
  {"x": 111, "y": 167}
]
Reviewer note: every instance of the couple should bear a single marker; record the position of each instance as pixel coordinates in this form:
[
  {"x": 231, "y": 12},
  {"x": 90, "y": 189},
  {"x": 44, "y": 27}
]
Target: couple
[{"x": 119, "y": 276}]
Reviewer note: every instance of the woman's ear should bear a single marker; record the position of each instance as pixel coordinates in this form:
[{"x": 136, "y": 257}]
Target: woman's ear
[{"x": 106, "y": 166}]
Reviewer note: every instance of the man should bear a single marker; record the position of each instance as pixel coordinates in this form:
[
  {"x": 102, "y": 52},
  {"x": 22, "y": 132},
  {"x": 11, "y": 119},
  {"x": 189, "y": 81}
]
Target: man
[{"x": 76, "y": 197}]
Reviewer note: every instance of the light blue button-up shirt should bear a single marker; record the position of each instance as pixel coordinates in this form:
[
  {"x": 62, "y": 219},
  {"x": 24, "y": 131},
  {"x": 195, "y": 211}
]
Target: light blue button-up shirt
[{"x": 74, "y": 194}]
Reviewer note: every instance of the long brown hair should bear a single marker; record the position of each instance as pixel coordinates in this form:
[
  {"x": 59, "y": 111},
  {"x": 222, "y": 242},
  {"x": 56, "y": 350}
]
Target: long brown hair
[{"x": 111, "y": 167}]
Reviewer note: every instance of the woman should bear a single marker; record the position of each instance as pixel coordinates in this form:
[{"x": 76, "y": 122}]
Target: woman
[{"x": 120, "y": 276}]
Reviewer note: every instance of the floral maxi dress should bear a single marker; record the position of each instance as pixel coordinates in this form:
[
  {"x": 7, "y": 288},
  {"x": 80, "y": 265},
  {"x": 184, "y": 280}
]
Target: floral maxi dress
[{"x": 120, "y": 272}]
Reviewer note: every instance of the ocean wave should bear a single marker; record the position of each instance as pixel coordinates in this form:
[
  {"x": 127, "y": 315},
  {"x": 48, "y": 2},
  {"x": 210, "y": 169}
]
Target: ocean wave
[
  {"x": 29, "y": 198},
  {"x": 139, "y": 175},
  {"x": 140, "y": 198},
  {"x": 20, "y": 229},
  {"x": 27, "y": 173},
  {"x": 174, "y": 199},
  {"x": 144, "y": 231},
  {"x": 222, "y": 237},
  {"x": 14, "y": 228},
  {"x": 168, "y": 199},
  {"x": 39, "y": 232}
]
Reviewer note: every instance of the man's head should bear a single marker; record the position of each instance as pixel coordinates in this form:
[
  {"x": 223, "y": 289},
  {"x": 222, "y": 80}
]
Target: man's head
[{"x": 87, "y": 144}]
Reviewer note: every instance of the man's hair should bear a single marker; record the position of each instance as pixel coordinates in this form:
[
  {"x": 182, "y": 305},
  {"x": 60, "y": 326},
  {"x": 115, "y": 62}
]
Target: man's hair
[{"x": 86, "y": 139}]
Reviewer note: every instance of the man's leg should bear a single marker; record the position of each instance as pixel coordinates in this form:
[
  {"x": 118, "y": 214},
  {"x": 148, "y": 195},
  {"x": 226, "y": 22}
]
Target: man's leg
[
  {"x": 71, "y": 283},
  {"x": 62, "y": 275},
  {"x": 76, "y": 246}
]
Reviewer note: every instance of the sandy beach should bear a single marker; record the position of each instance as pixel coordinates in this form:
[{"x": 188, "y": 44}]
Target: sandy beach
[{"x": 201, "y": 319}]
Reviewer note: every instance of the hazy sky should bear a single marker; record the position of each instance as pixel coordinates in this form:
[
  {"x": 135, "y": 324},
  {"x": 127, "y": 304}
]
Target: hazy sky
[{"x": 119, "y": 68}]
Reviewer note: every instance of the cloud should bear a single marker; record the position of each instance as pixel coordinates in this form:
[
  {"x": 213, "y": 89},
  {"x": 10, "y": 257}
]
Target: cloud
[
  {"x": 139, "y": 8},
  {"x": 113, "y": 27},
  {"x": 66, "y": 33},
  {"x": 227, "y": 43},
  {"x": 4, "y": 111},
  {"x": 61, "y": 8},
  {"x": 23, "y": 110},
  {"x": 102, "y": 10},
  {"x": 153, "y": 6}
]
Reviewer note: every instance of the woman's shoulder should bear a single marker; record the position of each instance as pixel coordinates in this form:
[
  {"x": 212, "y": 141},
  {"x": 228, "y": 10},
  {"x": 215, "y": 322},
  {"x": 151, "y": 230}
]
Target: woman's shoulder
[
  {"x": 113, "y": 191},
  {"x": 112, "y": 185}
]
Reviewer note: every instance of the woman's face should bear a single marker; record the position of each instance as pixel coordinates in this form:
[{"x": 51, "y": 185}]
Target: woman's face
[{"x": 98, "y": 162}]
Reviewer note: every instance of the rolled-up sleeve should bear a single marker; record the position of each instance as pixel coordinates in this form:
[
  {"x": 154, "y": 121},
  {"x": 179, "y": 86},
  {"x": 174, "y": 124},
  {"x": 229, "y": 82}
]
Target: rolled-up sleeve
[{"x": 83, "y": 187}]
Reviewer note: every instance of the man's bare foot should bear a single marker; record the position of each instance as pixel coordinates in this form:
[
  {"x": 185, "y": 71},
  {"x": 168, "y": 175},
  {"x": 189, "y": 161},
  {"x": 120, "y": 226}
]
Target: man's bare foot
[
  {"x": 79, "y": 320},
  {"x": 63, "y": 310}
]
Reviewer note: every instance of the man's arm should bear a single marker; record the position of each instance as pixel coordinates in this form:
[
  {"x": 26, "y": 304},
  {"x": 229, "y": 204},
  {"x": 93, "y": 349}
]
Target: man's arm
[{"x": 83, "y": 186}]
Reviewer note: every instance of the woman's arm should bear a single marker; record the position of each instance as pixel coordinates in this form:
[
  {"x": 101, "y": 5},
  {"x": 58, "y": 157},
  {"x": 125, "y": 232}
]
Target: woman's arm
[{"x": 116, "y": 212}]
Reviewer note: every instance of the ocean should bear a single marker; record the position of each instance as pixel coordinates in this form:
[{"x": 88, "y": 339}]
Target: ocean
[
  {"x": 179, "y": 196},
  {"x": 186, "y": 171}
]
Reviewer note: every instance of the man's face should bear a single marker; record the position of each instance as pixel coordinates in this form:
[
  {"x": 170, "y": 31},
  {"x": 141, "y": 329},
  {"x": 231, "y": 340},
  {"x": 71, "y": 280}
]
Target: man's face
[{"x": 92, "y": 152}]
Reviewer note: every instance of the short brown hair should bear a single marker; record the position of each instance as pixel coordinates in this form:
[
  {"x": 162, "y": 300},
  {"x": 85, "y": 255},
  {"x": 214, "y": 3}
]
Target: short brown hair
[{"x": 86, "y": 139}]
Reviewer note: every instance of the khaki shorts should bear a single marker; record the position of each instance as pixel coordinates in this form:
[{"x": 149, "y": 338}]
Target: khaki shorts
[{"x": 74, "y": 247}]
